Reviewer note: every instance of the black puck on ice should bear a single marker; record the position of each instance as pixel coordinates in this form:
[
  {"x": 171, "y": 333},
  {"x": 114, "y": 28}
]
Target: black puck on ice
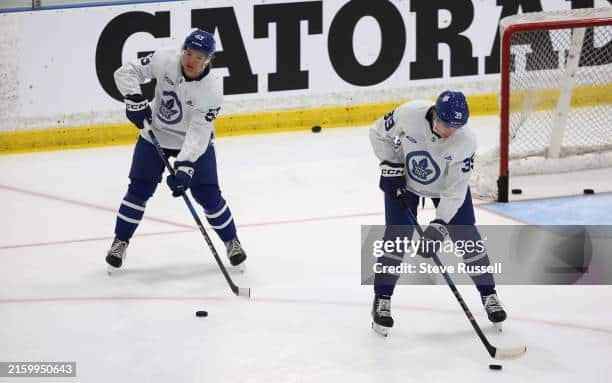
[
  {"x": 517, "y": 191},
  {"x": 316, "y": 129},
  {"x": 589, "y": 191},
  {"x": 495, "y": 366},
  {"x": 201, "y": 313}
]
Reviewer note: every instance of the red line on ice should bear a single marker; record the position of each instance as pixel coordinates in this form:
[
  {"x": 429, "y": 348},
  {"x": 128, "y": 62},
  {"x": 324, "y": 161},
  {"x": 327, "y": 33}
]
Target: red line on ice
[{"x": 159, "y": 220}]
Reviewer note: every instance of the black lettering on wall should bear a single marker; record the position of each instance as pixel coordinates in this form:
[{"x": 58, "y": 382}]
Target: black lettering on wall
[
  {"x": 233, "y": 56},
  {"x": 576, "y": 4},
  {"x": 287, "y": 18},
  {"x": 584, "y": 3},
  {"x": 340, "y": 42},
  {"x": 591, "y": 55},
  {"x": 428, "y": 36},
  {"x": 112, "y": 39},
  {"x": 509, "y": 8}
]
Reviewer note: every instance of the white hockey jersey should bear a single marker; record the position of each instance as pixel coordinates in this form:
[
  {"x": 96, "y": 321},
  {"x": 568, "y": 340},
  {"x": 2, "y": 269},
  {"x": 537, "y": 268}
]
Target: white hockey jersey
[
  {"x": 183, "y": 110},
  {"x": 435, "y": 167}
]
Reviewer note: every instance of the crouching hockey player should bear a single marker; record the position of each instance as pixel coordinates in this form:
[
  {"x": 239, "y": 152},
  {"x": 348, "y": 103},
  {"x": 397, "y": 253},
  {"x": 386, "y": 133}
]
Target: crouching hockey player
[
  {"x": 187, "y": 100},
  {"x": 427, "y": 151}
]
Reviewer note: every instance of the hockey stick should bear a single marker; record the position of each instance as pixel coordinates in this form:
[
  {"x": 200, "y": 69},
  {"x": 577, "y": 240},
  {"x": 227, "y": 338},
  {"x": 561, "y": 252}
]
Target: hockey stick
[
  {"x": 495, "y": 352},
  {"x": 239, "y": 291}
]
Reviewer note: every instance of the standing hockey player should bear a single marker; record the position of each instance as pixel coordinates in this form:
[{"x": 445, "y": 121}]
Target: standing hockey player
[
  {"x": 187, "y": 100},
  {"x": 427, "y": 151}
]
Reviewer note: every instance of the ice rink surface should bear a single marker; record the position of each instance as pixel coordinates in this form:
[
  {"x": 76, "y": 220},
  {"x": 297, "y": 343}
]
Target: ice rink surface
[{"x": 299, "y": 200}]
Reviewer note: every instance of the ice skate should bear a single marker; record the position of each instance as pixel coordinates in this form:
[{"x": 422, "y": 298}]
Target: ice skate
[
  {"x": 494, "y": 309},
  {"x": 116, "y": 255},
  {"x": 381, "y": 315},
  {"x": 236, "y": 254}
]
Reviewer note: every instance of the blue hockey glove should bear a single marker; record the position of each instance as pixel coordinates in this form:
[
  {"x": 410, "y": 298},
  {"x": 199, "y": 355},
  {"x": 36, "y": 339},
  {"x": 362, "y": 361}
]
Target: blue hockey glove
[
  {"x": 180, "y": 182},
  {"x": 137, "y": 109},
  {"x": 432, "y": 238},
  {"x": 393, "y": 181}
]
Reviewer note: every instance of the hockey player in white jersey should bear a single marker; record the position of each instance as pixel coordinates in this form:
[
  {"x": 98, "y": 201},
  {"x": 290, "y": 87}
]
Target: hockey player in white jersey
[
  {"x": 427, "y": 151},
  {"x": 187, "y": 100}
]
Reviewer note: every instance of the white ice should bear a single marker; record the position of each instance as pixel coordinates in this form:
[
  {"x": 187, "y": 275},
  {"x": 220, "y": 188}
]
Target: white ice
[{"x": 299, "y": 200}]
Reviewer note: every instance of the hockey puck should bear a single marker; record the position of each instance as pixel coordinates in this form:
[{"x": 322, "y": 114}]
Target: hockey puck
[
  {"x": 517, "y": 191},
  {"x": 589, "y": 191},
  {"x": 316, "y": 129},
  {"x": 495, "y": 366},
  {"x": 201, "y": 313}
]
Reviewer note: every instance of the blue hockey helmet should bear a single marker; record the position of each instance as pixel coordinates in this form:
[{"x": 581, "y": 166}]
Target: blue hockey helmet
[
  {"x": 452, "y": 109},
  {"x": 202, "y": 41}
]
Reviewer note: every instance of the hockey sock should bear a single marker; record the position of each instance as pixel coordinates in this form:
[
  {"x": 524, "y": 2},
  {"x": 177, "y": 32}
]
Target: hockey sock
[
  {"x": 484, "y": 281},
  {"x": 222, "y": 221},
  {"x": 129, "y": 216}
]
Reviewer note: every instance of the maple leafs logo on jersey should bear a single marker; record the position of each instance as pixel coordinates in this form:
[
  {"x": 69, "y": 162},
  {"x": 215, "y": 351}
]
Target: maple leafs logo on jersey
[
  {"x": 421, "y": 167},
  {"x": 420, "y": 170},
  {"x": 166, "y": 109},
  {"x": 170, "y": 109}
]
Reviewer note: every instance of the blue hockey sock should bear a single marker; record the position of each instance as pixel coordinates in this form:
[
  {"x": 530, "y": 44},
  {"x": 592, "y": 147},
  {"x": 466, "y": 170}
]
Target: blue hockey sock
[
  {"x": 129, "y": 216},
  {"x": 222, "y": 221},
  {"x": 484, "y": 282}
]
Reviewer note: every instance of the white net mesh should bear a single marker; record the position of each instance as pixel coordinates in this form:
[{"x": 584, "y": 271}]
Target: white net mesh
[{"x": 560, "y": 96}]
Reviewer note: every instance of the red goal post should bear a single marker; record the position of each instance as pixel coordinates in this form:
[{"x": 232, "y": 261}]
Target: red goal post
[{"x": 558, "y": 83}]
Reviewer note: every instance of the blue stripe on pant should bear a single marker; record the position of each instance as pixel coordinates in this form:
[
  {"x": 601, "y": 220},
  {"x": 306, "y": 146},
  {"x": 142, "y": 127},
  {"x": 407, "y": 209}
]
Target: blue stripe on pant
[
  {"x": 130, "y": 213},
  {"x": 146, "y": 173},
  {"x": 216, "y": 209},
  {"x": 461, "y": 227}
]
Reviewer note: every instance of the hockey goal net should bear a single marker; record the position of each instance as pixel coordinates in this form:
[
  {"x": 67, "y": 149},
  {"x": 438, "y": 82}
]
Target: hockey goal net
[{"x": 556, "y": 98}]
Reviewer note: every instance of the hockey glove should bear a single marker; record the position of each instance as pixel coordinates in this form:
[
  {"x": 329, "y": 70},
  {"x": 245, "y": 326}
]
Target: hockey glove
[
  {"x": 137, "y": 109},
  {"x": 180, "y": 182},
  {"x": 432, "y": 238},
  {"x": 393, "y": 181}
]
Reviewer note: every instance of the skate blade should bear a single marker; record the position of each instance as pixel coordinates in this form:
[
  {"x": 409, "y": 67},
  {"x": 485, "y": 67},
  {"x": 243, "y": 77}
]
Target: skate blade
[
  {"x": 110, "y": 270},
  {"x": 241, "y": 268},
  {"x": 381, "y": 330},
  {"x": 498, "y": 326}
]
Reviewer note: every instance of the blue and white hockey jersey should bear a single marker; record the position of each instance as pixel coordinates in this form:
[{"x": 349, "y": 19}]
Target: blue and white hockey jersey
[
  {"x": 435, "y": 167},
  {"x": 183, "y": 110}
]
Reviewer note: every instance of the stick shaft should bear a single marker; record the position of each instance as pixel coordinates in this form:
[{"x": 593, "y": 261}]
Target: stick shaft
[
  {"x": 490, "y": 348},
  {"x": 235, "y": 289}
]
